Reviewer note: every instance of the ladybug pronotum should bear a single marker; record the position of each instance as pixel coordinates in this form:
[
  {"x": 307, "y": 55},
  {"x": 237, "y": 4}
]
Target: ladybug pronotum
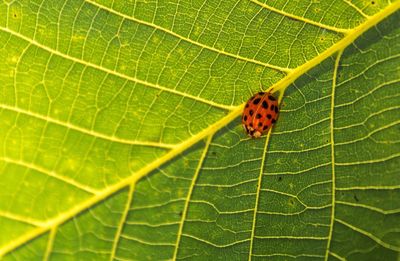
[{"x": 260, "y": 113}]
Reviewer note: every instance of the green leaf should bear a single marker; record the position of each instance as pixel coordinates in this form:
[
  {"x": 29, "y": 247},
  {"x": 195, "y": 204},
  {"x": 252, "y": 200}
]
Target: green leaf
[{"x": 121, "y": 138}]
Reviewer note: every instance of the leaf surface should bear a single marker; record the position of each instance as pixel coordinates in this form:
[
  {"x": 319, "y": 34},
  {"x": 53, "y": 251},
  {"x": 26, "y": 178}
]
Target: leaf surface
[{"x": 121, "y": 137}]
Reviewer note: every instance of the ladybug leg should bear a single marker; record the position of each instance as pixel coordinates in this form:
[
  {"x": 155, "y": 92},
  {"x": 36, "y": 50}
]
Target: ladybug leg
[
  {"x": 245, "y": 129},
  {"x": 251, "y": 133}
]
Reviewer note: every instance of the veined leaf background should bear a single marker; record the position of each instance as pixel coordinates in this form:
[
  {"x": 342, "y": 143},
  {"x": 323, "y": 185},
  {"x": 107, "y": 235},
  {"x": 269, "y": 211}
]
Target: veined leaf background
[{"x": 120, "y": 130}]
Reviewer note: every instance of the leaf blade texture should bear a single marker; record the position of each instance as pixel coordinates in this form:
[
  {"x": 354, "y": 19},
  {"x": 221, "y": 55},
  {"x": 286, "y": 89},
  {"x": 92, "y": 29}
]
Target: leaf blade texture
[{"x": 121, "y": 139}]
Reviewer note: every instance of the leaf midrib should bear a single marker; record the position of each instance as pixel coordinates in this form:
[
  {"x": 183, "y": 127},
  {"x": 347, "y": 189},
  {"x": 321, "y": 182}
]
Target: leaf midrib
[{"x": 232, "y": 115}]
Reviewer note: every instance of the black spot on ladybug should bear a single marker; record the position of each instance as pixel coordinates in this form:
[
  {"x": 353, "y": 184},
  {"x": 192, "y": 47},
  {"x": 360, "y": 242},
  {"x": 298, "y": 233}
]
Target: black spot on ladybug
[
  {"x": 247, "y": 105},
  {"x": 280, "y": 179},
  {"x": 272, "y": 98},
  {"x": 261, "y": 93},
  {"x": 259, "y": 124},
  {"x": 269, "y": 116},
  {"x": 256, "y": 101},
  {"x": 276, "y": 109},
  {"x": 251, "y": 124},
  {"x": 258, "y": 116},
  {"x": 265, "y": 105},
  {"x": 265, "y": 127},
  {"x": 273, "y": 121},
  {"x": 245, "y": 118},
  {"x": 355, "y": 198},
  {"x": 272, "y": 107},
  {"x": 251, "y": 112}
]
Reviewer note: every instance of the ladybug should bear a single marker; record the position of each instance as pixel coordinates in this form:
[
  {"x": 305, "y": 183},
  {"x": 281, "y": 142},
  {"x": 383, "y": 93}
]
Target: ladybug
[{"x": 260, "y": 113}]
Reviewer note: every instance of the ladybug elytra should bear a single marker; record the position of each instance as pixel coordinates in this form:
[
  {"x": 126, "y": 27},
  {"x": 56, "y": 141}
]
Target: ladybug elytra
[{"x": 260, "y": 113}]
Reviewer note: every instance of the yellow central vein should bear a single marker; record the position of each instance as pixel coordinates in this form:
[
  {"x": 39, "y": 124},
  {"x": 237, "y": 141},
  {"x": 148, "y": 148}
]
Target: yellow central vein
[
  {"x": 63, "y": 217},
  {"x": 328, "y": 244},
  {"x": 271, "y": 66},
  {"x": 282, "y": 84},
  {"x": 253, "y": 226},
  {"x": 189, "y": 196},
  {"x": 302, "y": 19},
  {"x": 341, "y": 45},
  {"x": 111, "y": 72}
]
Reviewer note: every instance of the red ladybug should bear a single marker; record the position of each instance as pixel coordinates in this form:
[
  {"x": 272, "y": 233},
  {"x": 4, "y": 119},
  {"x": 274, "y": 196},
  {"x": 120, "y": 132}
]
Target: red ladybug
[{"x": 260, "y": 113}]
